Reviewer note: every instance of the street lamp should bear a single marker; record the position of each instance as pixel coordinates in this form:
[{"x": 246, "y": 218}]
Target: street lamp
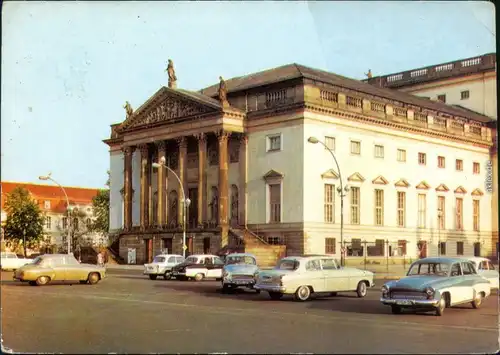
[
  {"x": 342, "y": 192},
  {"x": 186, "y": 201},
  {"x": 48, "y": 177},
  {"x": 440, "y": 218}
]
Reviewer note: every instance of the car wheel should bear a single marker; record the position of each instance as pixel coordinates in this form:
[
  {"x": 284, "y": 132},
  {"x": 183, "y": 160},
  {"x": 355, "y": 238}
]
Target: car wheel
[
  {"x": 199, "y": 277},
  {"x": 361, "y": 289},
  {"x": 93, "y": 278},
  {"x": 441, "y": 306},
  {"x": 152, "y": 277},
  {"x": 275, "y": 295},
  {"x": 478, "y": 300},
  {"x": 167, "y": 275},
  {"x": 225, "y": 288},
  {"x": 42, "y": 280},
  {"x": 32, "y": 283},
  {"x": 395, "y": 310},
  {"x": 303, "y": 293}
]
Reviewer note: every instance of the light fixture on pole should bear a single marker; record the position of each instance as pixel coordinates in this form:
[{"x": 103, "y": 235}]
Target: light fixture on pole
[
  {"x": 48, "y": 177},
  {"x": 186, "y": 201},
  {"x": 342, "y": 192},
  {"x": 440, "y": 219}
]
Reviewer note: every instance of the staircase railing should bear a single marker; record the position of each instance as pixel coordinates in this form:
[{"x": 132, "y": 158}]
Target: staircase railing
[{"x": 256, "y": 236}]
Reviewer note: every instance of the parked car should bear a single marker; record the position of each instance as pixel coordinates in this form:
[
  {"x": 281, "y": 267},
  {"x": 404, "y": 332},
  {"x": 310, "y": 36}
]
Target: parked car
[
  {"x": 59, "y": 267},
  {"x": 240, "y": 270},
  {"x": 486, "y": 269},
  {"x": 308, "y": 275},
  {"x": 162, "y": 266},
  {"x": 199, "y": 267},
  {"x": 434, "y": 284},
  {"x": 10, "y": 261}
]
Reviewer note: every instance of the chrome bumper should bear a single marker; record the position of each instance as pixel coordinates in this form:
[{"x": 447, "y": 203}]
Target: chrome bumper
[
  {"x": 155, "y": 272},
  {"x": 271, "y": 288},
  {"x": 409, "y": 302},
  {"x": 239, "y": 282}
]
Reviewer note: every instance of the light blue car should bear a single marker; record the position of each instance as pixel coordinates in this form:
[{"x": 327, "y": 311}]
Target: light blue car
[
  {"x": 433, "y": 284},
  {"x": 239, "y": 270}
]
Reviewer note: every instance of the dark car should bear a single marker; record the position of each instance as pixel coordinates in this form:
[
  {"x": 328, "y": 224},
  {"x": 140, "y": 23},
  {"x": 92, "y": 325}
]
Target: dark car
[{"x": 199, "y": 267}]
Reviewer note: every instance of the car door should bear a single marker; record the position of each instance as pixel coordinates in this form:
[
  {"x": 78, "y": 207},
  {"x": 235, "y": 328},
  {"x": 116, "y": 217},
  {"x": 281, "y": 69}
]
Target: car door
[
  {"x": 72, "y": 270},
  {"x": 459, "y": 291},
  {"x": 470, "y": 279},
  {"x": 490, "y": 273},
  {"x": 58, "y": 264},
  {"x": 336, "y": 279},
  {"x": 215, "y": 269},
  {"x": 314, "y": 275}
]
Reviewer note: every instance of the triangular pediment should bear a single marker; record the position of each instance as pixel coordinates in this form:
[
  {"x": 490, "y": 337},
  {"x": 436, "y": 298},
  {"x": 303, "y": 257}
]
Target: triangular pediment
[
  {"x": 477, "y": 192},
  {"x": 380, "y": 180},
  {"x": 460, "y": 190},
  {"x": 402, "y": 183},
  {"x": 423, "y": 185},
  {"x": 442, "y": 188},
  {"x": 273, "y": 175},
  {"x": 356, "y": 177},
  {"x": 170, "y": 105},
  {"x": 330, "y": 174}
]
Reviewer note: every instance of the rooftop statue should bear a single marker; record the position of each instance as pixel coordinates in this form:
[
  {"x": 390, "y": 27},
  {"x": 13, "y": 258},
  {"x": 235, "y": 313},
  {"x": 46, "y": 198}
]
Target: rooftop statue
[
  {"x": 223, "y": 92},
  {"x": 172, "y": 79},
  {"x": 128, "y": 108}
]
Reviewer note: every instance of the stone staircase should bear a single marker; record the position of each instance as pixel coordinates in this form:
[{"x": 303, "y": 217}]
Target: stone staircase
[{"x": 267, "y": 255}]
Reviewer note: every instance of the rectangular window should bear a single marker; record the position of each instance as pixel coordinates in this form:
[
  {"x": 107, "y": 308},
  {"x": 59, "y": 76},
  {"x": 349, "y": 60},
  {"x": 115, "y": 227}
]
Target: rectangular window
[
  {"x": 422, "y": 206},
  {"x": 459, "y": 165},
  {"x": 441, "y": 212},
  {"x": 460, "y": 248},
  {"x": 401, "y": 208},
  {"x": 442, "y": 248},
  {"x": 459, "y": 213},
  {"x": 354, "y": 205},
  {"x": 464, "y": 95},
  {"x": 330, "y": 245},
  {"x": 46, "y": 205},
  {"x": 275, "y": 203},
  {"x": 401, "y": 155},
  {"x": 476, "y": 168},
  {"x": 48, "y": 222},
  {"x": 330, "y": 143},
  {"x": 355, "y": 147},
  {"x": 379, "y": 151},
  {"x": 379, "y": 207},
  {"x": 475, "y": 214},
  {"x": 274, "y": 143},
  {"x": 329, "y": 203},
  {"x": 402, "y": 247},
  {"x": 422, "y": 158},
  {"x": 442, "y": 98},
  {"x": 441, "y": 162}
]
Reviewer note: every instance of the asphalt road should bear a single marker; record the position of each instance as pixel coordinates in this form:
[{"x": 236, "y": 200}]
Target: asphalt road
[{"x": 127, "y": 313}]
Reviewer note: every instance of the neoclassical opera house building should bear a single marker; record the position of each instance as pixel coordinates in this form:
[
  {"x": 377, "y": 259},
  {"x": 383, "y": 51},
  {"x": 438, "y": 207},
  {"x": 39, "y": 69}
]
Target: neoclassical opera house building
[{"x": 414, "y": 170}]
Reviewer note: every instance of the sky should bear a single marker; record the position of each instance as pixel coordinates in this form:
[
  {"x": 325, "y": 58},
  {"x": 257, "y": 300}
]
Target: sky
[{"x": 68, "y": 67}]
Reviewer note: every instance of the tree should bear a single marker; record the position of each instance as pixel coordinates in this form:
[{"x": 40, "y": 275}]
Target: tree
[
  {"x": 25, "y": 220},
  {"x": 100, "y": 207}
]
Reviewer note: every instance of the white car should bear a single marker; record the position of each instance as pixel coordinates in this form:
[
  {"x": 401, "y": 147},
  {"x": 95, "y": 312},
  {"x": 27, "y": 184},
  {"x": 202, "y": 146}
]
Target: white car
[
  {"x": 199, "y": 267},
  {"x": 486, "y": 269},
  {"x": 10, "y": 261},
  {"x": 162, "y": 266},
  {"x": 308, "y": 275}
]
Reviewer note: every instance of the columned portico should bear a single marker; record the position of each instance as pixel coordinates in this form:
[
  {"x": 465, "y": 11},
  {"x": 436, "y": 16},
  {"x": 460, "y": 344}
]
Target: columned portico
[
  {"x": 127, "y": 158},
  {"x": 145, "y": 168},
  {"x": 162, "y": 155},
  {"x": 223, "y": 137},
  {"x": 182, "y": 141},
  {"x": 202, "y": 179}
]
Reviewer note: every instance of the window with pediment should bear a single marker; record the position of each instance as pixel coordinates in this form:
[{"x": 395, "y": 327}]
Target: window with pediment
[{"x": 234, "y": 151}]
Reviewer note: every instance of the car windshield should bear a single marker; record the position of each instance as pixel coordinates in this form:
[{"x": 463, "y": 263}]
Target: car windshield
[
  {"x": 159, "y": 259},
  {"x": 438, "y": 269},
  {"x": 191, "y": 260},
  {"x": 240, "y": 259},
  {"x": 38, "y": 260},
  {"x": 287, "y": 265}
]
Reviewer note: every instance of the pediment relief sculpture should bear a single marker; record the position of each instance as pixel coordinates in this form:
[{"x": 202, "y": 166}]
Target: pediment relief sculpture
[
  {"x": 442, "y": 188},
  {"x": 273, "y": 175},
  {"x": 477, "y": 192},
  {"x": 460, "y": 190},
  {"x": 402, "y": 183},
  {"x": 380, "y": 180},
  {"x": 329, "y": 174},
  {"x": 356, "y": 177},
  {"x": 423, "y": 185}
]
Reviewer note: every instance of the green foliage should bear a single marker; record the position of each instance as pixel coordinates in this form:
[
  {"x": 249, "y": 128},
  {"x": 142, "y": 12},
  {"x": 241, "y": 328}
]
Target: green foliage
[
  {"x": 78, "y": 227},
  {"x": 100, "y": 206},
  {"x": 25, "y": 220}
]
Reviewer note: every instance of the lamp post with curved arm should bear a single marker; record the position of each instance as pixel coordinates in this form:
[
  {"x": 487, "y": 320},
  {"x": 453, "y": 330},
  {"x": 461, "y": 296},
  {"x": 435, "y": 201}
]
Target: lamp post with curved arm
[
  {"x": 48, "y": 177},
  {"x": 342, "y": 192},
  {"x": 186, "y": 201}
]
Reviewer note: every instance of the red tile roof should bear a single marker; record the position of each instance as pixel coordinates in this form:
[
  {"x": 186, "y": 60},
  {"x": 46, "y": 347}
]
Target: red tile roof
[{"x": 52, "y": 193}]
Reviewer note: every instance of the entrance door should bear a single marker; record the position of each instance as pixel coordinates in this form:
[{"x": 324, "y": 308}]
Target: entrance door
[
  {"x": 206, "y": 245},
  {"x": 167, "y": 245},
  {"x": 190, "y": 245},
  {"x": 422, "y": 248},
  {"x": 193, "y": 207},
  {"x": 148, "y": 253},
  {"x": 477, "y": 249}
]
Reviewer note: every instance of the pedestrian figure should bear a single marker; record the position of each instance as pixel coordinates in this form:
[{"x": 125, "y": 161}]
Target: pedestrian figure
[{"x": 100, "y": 259}]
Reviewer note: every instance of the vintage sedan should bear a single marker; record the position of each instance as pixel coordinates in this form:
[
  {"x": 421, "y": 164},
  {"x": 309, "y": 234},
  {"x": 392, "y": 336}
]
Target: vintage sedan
[
  {"x": 59, "y": 268},
  {"x": 433, "y": 284},
  {"x": 240, "y": 270},
  {"x": 486, "y": 269},
  {"x": 199, "y": 267},
  {"x": 162, "y": 266},
  {"x": 308, "y": 275},
  {"x": 10, "y": 261}
]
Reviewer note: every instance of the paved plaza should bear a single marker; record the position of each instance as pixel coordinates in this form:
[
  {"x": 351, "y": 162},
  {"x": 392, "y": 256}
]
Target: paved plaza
[{"x": 128, "y": 313}]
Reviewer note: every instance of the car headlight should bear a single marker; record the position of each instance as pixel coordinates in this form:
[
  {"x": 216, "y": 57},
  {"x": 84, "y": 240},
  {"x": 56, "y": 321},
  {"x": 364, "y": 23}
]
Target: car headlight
[
  {"x": 430, "y": 292},
  {"x": 385, "y": 290}
]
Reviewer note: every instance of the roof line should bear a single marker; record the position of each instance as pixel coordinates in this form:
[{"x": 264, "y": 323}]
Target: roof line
[{"x": 50, "y": 185}]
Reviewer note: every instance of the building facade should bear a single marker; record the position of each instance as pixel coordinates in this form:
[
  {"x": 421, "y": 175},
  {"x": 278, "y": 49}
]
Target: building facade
[
  {"x": 240, "y": 151},
  {"x": 52, "y": 202}
]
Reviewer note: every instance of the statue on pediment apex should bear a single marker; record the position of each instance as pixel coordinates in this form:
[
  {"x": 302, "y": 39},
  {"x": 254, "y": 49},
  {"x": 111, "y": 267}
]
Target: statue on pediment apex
[
  {"x": 369, "y": 75},
  {"x": 172, "y": 79},
  {"x": 223, "y": 92},
  {"x": 128, "y": 108}
]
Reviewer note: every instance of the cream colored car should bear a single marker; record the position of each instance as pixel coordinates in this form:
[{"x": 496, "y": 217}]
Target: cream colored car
[{"x": 308, "y": 275}]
